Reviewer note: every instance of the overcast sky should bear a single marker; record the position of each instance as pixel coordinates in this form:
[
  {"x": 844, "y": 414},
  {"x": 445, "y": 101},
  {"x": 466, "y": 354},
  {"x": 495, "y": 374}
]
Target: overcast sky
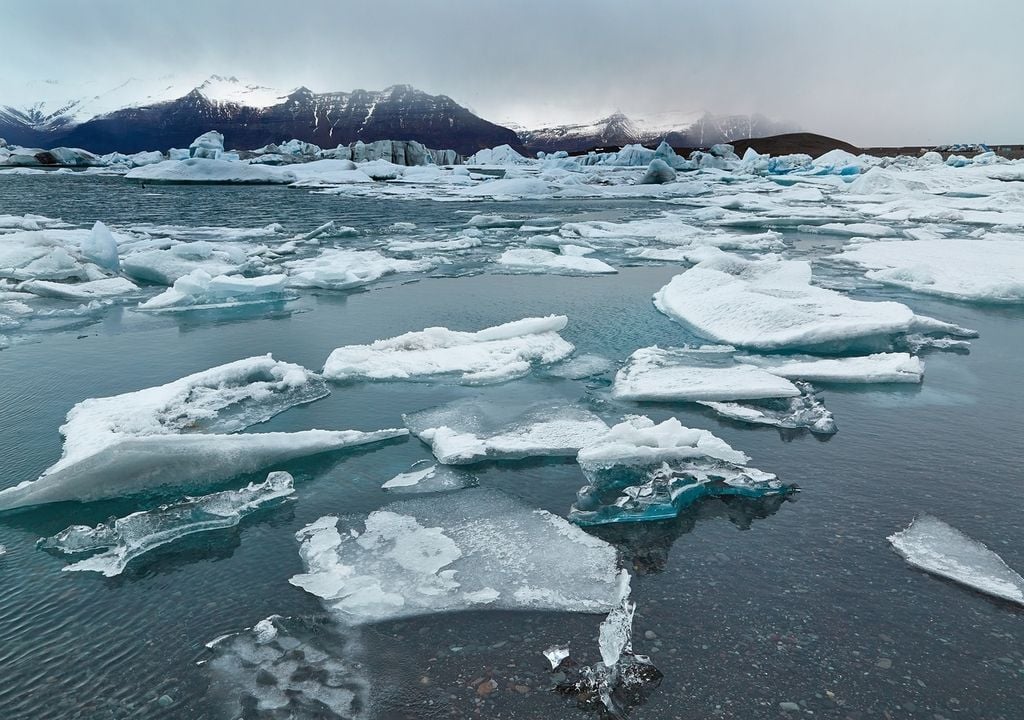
[{"x": 868, "y": 71}]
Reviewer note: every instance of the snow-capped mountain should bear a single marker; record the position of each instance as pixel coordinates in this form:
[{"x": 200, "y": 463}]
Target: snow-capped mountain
[
  {"x": 249, "y": 116},
  {"x": 680, "y": 129}
]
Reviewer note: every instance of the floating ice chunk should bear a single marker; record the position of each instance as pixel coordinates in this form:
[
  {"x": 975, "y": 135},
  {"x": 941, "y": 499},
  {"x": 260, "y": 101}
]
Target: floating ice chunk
[
  {"x": 658, "y": 173},
  {"x": 100, "y": 247},
  {"x": 208, "y": 145},
  {"x": 343, "y": 269},
  {"x": 804, "y": 411},
  {"x": 3, "y": 551},
  {"x": 770, "y": 304},
  {"x": 838, "y": 162},
  {"x": 198, "y": 288},
  {"x": 581, "y": 367},
  {"x": 709, "y": 372},
  {"x": 104, "y": 288},
  {"x": 640, "y": 471},
  {"x": 468, "y": 432},
  {"x": 206, "y": 170},
  {"x": 542, "y": 261},
  {"x": 463, "y": 551},
  {"x": 125, "y": 539},
  {"x": 556, "y": 654},
  {"x": 939, "y": 549},
  {"x": 872, "y": 230},
  {"x": 493, "y": 221},
  {"x": 876, "y": 368},
  {"x": 455, "y": 244},
  {"x": 426, "y": 477},
  {"x": 500, "y": 155},
  {"x": 294, "y": 668},
  {"x": 492, "y": 355},
  {"x": 164, "y": 266},
  {"x": 916, "y": 342},
  {"x": 29, "y": 222},
  {"x": 960, "y": 268},
  {"x": 174, "y": 435}
]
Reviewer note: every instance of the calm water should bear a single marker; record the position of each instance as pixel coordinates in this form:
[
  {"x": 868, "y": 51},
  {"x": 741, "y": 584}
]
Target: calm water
[{"x": 749, "y": 606}]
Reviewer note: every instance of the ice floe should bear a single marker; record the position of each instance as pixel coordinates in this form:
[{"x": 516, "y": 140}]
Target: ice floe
[
  {"x": 124, "y": 539},
  {"x": 940, "y": 549},
  {"x": 982, "y": 269},
  {"x": 642, "y": 471},
  {"x": 336, "y": 269},
  {"x": 876, "y": 368},
  {"x": 427, "y": 477},
  {"x": 536, "y": 260},
  {"x": 770, "y": 304},
  {"x": 181, "y": 434},
  {"x": 470, "y": 550},
  {"x": 200, "y": 289},
  {"x": 469, "y": 432},
  {"x": 495, "y": 354}
]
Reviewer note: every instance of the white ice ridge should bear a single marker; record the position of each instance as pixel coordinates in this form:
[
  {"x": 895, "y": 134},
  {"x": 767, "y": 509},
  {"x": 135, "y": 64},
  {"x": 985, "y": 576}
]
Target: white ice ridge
[
  {"x": 468, "y": 432},
  {"x": 471, "y": 550},
  {"x": 890, "y": 367},
  {"x": 125, "y": 539},
  {"x": 544, "y": 261},
  {"x": 708, "y": 372},
  {"x": 337, "y": 269},
  {"x": 770, "y": 304},
  {"x": 177, "y": 435},
  {"x": 937, "y": 548},
  {"x": 984, "y": 270},
  {"x": 491, "y": 355},
  {"x": 199, "y": 288}
]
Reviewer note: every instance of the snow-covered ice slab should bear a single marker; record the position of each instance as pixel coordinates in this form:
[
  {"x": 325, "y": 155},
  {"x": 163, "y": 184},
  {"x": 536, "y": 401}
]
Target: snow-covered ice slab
[
  {"x": 891, "y": 367},
  {"x": 471, "y": 550},
  {"x": 165, "y": 265},
  {"x": 770, "y": 304},
  {"x": 709, "y": 372},
  {"x": 642, "y": 471},
  {"x": 199, "y": 289},
  {"x": 425, "y": 476},
  {"x": 343, "y": 269},
  {"x": 534, "y": 260},
  {"x": 468, "y": 432},
  {"x": 125, "y": 539},
  {"x": 982, "y": 270},
  {"x": 177, "y": 435},
  {"x": 492, "y": 355},
  {"x": 940, "y": 549},
  {"x": 296, "y": 668},
  {"x": 92, "y": 290}
]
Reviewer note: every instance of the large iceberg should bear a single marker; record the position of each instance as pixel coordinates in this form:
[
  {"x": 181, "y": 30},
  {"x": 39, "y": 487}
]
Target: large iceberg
[
  {"x": 709, "y": 372},
  {"x": 939, "y": 549},
  {"x": 208, "y": 145},
  {"x": 985, "y": 270},
  {"x": 492, "y": 355},
  {"x": 770, "y": 304},
  {"x": 469, "y": 432},
  {"x": 336, "y": 269},
  {"x": 200, "y": 289},
  {"x": 181, "y": 434},
  {"x": 124, "y": 539},
  {"x": 642, "y": 471},
  {"x": 471, "y": 550}
]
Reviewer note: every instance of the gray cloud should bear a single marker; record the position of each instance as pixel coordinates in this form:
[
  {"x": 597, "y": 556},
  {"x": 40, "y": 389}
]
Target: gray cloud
[{"x": 871, "y": 71}]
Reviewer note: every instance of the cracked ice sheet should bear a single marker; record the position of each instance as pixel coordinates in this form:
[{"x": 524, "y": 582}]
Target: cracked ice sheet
[
  {"x": 982, "y": 270},
  {"x": 476, "y": 549},
  {"x": 127, "y": 538},
  {"x": 770, "y": 304},
  {"x": 466, "y": 432},
  {"x": 176, "y": 435},
  {"x": 492, "y": 355},
  {"x": 709, "y": 372},
  {"x": 940, "y": 549}
]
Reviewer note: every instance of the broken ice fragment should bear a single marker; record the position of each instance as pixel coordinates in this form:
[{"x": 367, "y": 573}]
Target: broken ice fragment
[
  {"x": 200, "y": 289},
  {"x": 534, "y": 260},
  {"x": 492, "y": 355},
  {"x": 640, "y": 472},
  {"x": 556, "y": 654},
  {"x": 431, "y": 478},
  {"x": 177, "y": 435},
  {"x": 461, "y": 551},
  {"x": 940, "y": 549},
  {"x": 125, "y": 539},
  {"x": 886, "y": 367},
  {"x": 337, "y": 269},
  {"x": 804, "y": 411},
  {"x": 469, "y": 432}
]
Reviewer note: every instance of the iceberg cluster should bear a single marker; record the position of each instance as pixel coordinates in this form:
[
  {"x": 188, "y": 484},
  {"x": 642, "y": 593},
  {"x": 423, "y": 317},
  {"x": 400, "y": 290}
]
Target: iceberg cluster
[
  {"x": 471, "y": 550},
  {"x": 495, "y": 354},
  {"x": 122, "y": 540}
]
